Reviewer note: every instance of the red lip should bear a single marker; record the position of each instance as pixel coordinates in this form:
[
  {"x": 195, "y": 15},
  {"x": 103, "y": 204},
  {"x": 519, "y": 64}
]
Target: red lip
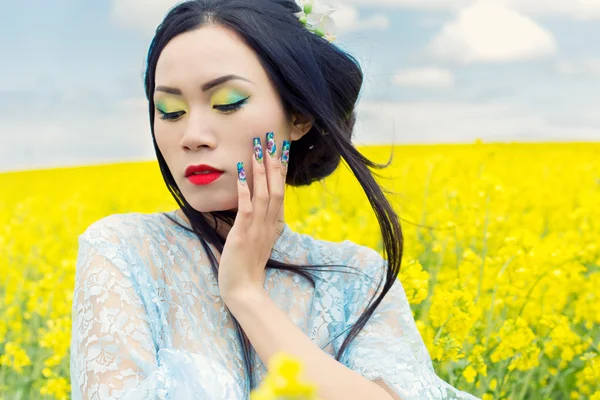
[
  {"x": 204, "y": 179},
  {"x": 200, "y": 168}
]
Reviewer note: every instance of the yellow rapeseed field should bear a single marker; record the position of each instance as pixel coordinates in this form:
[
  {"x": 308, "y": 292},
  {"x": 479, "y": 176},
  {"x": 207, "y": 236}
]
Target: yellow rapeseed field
[{"x": 502, "y": 259}]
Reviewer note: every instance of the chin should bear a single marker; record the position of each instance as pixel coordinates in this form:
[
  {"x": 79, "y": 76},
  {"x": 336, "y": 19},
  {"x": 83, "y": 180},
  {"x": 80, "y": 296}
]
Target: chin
[
  {"x": 207, "y": 204},
  {"x": 208, "y": 199}
]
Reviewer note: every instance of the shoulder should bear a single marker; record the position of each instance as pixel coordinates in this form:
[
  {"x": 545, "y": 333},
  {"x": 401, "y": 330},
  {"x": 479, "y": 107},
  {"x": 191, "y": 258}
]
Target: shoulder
[
  {"x": 140, "y": 235},
  {"x": 365, "y": 262},
  {"x": 112, "y": 235},
  {"x": 126, "y": 226},
  {"x": 124, "y": 240}
]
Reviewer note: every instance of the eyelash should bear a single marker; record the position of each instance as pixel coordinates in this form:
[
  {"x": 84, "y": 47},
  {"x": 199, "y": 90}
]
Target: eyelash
[
  {"x": 226, "y": 109},
  {"x": 229, "y": 108}
]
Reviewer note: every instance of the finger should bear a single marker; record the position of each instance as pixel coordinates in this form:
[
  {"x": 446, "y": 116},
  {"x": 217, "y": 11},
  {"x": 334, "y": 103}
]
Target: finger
[
  {"x": 260, "y": 190},
  {"x": 274, "y": 179},
  {"x": 244, "y": 214}
]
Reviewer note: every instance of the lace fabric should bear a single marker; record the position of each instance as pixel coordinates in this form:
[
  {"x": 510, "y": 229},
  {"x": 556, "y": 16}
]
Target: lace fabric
[{"x": 148, "y": 321}]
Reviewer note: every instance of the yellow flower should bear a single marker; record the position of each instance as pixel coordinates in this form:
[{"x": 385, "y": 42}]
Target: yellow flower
[
  {"x": 14, "y": 357},
  {"x": 415, "y": 281},
  {"x": 505, "y": 242},
  {"x": 283, "y": 381},
  {"x": 477, "y": 360},
  {"x": 469, "y": 373},
  {"x": 517, "y": 343},
  {"x": 56, "y": 337},
  {"x": 454, "y": 311},
  {"x": 447, "y": 348},
  {"x": 59, "y": 388}
]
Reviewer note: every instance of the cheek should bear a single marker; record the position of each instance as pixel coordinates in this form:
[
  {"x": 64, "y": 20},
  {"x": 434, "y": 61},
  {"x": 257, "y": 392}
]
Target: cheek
[
  {"x": 159, "y": 136},
  {"x": 268, "y": 116},
  {"x": 165, "y": 131},
  {"x": 166, "y": 140}
]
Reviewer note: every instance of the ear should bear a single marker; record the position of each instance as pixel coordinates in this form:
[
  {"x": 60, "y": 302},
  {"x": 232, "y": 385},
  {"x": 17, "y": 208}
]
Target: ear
[{"x": 301, "y": 124}]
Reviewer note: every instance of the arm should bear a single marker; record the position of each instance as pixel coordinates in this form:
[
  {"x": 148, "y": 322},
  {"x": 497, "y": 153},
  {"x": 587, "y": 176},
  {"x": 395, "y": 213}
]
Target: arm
[
  {"x": 387, "y": 389},
  {"x": 270, "y": 331},
  {"x": 113, "y": 352}
]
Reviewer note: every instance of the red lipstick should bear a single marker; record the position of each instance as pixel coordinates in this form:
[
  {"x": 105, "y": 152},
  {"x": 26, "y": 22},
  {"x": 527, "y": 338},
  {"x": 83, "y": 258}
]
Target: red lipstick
[{"x": 202, "y": 174}]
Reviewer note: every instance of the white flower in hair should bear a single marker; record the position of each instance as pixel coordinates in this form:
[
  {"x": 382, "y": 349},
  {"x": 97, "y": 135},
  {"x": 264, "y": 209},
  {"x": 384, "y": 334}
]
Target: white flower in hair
[{"x": 317, "y": 18}]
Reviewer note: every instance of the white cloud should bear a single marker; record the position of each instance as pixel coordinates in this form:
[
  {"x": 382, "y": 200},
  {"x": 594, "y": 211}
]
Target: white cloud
[
  {"x": 433, "y": 5},
  {"x": 578, "y": 9},
  {"x": 584, "y": 67},
  {"x": 488, "y": 32},
  {"x": 451, "y": 122},
  {"x": 424, "y": 77},
  {"x": 347, "y": 18}
]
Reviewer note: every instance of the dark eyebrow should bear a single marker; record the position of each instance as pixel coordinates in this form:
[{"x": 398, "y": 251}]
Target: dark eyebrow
[{"x": 207, "y": 86}]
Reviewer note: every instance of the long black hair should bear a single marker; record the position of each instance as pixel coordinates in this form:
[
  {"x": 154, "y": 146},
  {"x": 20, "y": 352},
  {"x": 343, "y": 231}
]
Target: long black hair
[{"x": 313, "y": 78}]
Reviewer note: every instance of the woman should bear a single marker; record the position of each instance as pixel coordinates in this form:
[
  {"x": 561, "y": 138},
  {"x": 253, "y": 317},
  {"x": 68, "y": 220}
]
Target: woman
[{"x": 191, "y": 304}]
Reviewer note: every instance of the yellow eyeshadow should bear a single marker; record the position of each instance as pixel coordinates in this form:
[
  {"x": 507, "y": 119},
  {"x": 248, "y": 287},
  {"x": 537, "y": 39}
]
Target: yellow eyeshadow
[
  {"x": 227, "y": 96},
  {"x": 169, "y": 105}
]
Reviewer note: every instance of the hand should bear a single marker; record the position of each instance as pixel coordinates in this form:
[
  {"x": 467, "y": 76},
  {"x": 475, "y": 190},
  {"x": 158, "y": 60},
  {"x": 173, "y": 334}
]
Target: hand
[{"x": 251, "y": 238}]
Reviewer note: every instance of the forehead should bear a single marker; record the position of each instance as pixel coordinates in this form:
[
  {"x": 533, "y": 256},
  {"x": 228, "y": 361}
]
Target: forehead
[{"x": 206, "y": 53}]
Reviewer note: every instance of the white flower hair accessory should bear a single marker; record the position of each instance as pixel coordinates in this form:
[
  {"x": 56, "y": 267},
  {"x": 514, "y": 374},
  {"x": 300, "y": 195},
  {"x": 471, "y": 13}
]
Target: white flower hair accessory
[{"x": 316, "y": 18}]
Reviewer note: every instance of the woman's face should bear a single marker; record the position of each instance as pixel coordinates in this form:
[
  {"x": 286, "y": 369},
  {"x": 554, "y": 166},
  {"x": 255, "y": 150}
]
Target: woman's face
[{"x": 197, "y": 122}]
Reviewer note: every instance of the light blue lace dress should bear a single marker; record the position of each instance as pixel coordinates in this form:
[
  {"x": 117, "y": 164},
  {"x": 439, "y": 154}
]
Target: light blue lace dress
[{"x": 148, "y": 322}]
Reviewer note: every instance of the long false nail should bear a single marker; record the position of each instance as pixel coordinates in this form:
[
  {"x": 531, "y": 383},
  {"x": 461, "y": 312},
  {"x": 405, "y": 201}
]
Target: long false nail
[
  {"x": 241, "y": 173},
  {"x": 271, "y": 146},
  {"x": 285, "y": 153}
]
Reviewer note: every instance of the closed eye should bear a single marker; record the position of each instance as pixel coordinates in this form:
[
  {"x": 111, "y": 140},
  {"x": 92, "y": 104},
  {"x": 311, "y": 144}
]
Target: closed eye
[
  {"x": 224, "y": 108},
  {"x": 170, "y": 116},
  {"x": 229, "y": 108}
]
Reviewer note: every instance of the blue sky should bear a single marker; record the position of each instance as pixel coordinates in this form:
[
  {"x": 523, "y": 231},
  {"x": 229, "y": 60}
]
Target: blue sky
[{"x": 436, "y": 71}]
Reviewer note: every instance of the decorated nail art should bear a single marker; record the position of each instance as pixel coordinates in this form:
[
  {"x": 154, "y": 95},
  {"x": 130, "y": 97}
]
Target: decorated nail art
[
  {"x": 271, "y": 147},
  {"x": 285, "y": 153},
  {"x": 241, "y": 172},
  {"x": 258, "y": 153}
]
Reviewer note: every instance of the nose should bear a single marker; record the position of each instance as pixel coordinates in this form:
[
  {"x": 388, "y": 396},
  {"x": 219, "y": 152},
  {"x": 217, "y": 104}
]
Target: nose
[{"x": 198, "y": 133}]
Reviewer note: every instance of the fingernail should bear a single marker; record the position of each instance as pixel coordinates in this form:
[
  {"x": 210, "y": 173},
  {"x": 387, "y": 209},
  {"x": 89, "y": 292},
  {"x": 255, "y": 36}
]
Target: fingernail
[
  {"x": 285, "y": 153},
  {"x": 241, "y": 173},
  {"x": 258, "y": 153},
  {"x": 271, "y": 147}
]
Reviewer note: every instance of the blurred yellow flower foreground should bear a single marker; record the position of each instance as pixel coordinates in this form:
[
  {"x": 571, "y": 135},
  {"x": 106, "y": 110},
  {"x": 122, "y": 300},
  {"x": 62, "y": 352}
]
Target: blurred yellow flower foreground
[
  {"x": 283, "y": 381},
  {"x": 501, "y": 264}
]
